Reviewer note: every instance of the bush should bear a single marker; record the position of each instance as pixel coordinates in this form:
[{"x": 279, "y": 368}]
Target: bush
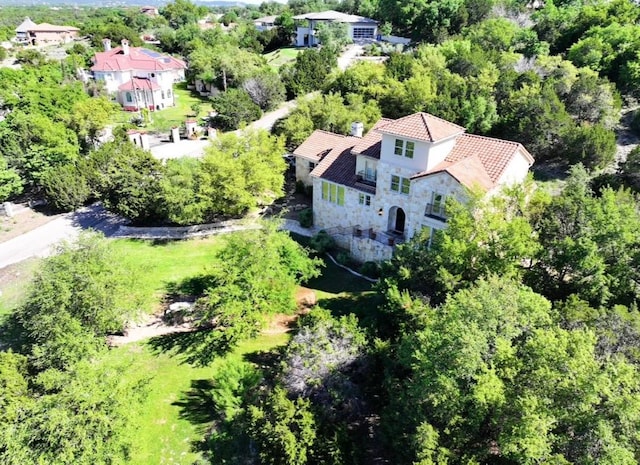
[
  {"x": 371, "y": 269},
  {"x": 65, "y": 187},
  {"x": 635, "y": 122},
  {"x": 234, "y": 107},
  {"x": 344, "y": 258},
  {"x": 300, "y": 187},
  {"x": 322, "y": 242},
  {"x": 306, "y": 218}
]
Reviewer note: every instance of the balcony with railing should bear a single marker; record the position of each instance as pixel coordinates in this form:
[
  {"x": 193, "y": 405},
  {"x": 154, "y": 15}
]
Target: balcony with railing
[
  {"x": 389, "y": 238},
  {"x": 436, "y": 211},
  {"x": 366, "y": 177}
]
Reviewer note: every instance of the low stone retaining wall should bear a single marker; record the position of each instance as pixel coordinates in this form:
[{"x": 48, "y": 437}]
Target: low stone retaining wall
[{"x": 184, "y": 232}]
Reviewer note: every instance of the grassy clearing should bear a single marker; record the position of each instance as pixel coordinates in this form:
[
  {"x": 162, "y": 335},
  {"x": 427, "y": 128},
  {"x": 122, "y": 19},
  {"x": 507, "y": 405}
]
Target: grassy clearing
[
  {"x": 175, "y": 415},
  {"x": 14, "y": 283},
  {"x": 282, "y": 56},
  {"x": 158, "y": 266},
  {"x": 163, "y": 120}
]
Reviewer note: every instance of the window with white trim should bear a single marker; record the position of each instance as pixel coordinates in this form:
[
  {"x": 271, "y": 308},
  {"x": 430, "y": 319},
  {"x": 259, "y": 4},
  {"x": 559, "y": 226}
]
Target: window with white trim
[
  {"x": 364, "y": 199},
  {"x": 404, "y": 148},
  {"x": 437, "y": 206},
  {"x": 128, "y": 97},
  {"x": 400, "y": 184},
  {"x": 333, "y": 193}
]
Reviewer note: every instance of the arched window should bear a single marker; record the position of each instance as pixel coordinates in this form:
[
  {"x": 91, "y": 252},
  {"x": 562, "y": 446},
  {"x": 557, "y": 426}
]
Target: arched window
[{"x": 128, "y": 97}]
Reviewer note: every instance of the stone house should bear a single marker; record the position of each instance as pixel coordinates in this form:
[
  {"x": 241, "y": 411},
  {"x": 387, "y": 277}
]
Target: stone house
[
  {"x": 379, "y": 190},
  {"x": 358, "y": 27},
  {"x": 138, "y": 77}
]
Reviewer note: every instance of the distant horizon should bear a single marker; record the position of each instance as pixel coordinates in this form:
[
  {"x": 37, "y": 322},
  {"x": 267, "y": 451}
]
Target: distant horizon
[{"x": 115, "y": 3}]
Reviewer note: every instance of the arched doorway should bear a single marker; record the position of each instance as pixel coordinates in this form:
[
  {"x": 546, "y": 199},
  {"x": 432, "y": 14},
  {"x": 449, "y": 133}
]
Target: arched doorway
[{"x": 397, "y": 219}]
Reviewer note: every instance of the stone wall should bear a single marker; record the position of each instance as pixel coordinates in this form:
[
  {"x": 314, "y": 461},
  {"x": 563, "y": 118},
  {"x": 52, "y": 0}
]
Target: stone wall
[{"x": 364, "y": 249}]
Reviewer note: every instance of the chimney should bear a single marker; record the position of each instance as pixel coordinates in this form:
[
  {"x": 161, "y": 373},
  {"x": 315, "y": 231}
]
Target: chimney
[
  {"x": 357, "y": 128},
  {"x": 125, "y": 47},
  {"x": 107, "y": 44}
]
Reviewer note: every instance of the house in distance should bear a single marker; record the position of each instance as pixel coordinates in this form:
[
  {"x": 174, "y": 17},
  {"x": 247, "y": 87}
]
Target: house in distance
[
  {"x": 30, "y": 33},
  {"x": 379, "y": 190},
  {"x": 358, "y": 27},
  {"x": 138, "y": 77}
]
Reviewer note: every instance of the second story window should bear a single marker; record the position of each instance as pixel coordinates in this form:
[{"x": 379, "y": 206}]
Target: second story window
[
  {"x": 333, "y": 193},
  {"x": 129, "y": 99},
  {"x": 312, "y": 165},
  {"x": 399, "y": 184},
  {"x": 364, "y": 199},
  {"x": 404, "y": 148}
]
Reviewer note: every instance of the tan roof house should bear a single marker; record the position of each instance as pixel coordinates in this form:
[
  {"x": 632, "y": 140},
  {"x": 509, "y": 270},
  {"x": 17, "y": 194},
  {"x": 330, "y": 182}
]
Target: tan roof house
[
  {"x": 31, "y": 33},
  {"x": 380, "y": 189}
]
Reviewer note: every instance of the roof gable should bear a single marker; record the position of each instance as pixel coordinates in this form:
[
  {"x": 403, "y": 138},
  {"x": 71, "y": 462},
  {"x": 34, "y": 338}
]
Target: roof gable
[
  {"x": 318, "y": 144},
  {"x": 138, "y": 58},
  {"x": 423, "y": 127}
]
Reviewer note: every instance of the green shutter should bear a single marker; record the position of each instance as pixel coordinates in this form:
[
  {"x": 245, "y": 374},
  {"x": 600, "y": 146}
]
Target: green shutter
[
  {"x": 325, "y": 190},
  {"x": 340, "y": 195}
]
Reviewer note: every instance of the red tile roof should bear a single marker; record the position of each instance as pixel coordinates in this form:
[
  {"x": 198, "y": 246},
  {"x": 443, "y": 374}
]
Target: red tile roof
[
  {"x": 46, "y": 27},
  {"x": 474, "y": 160},
  {"x": 339, "y": 166},
  {"x": 138, "y": 58},
  {"x": 318, "y": 144},
  {"x": 422, "y": 126},
  {"x": 478, "y": 160},
  {"x": 139, "y": 84},
  {"x": 370, "y": 144}
]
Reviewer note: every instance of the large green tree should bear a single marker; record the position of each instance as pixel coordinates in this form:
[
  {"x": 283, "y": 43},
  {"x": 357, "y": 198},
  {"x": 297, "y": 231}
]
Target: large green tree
[
  {"x": 77, "y": 297},
  {"x": 490, "y": 375},
  {"x": 255, "y": 274}
]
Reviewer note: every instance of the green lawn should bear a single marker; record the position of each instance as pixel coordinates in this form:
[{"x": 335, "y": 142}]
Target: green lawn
[
  {"x": 174, "y": 417},
  {"x": 163, "y": 120},
  {"x": 282, "y": 56},
  {"x": 160, "y": 267},
  {"x": 14, "y": 282}
]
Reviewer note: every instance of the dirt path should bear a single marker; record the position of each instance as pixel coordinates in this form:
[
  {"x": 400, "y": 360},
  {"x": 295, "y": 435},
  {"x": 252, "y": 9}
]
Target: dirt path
[{"x": 626, "y": 139}]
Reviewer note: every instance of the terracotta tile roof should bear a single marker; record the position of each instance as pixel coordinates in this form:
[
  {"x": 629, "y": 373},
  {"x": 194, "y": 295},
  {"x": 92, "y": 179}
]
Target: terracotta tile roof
[
  {"x": 140, "y": 84},
  {"x": 422, "y": 126},
  {"x": 370, "y": 144},
  {"x": 339, "y": 166},
  {"x": 478, "y": 160},
  {"x": 138, "y": 58},
  {"x": 318, "y": 144},
  {"x": 46, "y": 27}
]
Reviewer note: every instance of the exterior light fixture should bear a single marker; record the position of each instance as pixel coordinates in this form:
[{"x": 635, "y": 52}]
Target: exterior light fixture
[{"x": 380, "y": 212}]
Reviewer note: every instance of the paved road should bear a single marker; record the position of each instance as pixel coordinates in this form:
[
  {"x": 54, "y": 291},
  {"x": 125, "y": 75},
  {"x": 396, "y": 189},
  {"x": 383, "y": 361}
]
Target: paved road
[
  {"x": 195, "y": 148},
  {"x": 41, "y": 241}
]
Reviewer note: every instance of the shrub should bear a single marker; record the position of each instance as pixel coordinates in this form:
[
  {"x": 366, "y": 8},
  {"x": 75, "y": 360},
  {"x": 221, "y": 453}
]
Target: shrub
[
  {"x": 371, "y": 269},
  {"x": 300, "y": 187},
  {"x": 65, "y": 187},
  {"x": 344, "y": 258},
  {"x": 306, "y": 218},
  {"x": 322, "y": 242}
]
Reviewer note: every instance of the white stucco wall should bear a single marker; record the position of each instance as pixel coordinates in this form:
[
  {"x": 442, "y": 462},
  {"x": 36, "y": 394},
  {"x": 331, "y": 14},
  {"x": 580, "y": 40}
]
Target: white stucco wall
[
  {"x": 425, "y": 155},
  {"x": 516, "y": 171}
]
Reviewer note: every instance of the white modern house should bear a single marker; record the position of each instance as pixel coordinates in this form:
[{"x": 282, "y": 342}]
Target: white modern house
[
  {"x": 359, "y": 27},
  {"x": 375, "y": 191},
  {"x": 266, "y": 23},
  {"x": 138, "y": 77}
]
